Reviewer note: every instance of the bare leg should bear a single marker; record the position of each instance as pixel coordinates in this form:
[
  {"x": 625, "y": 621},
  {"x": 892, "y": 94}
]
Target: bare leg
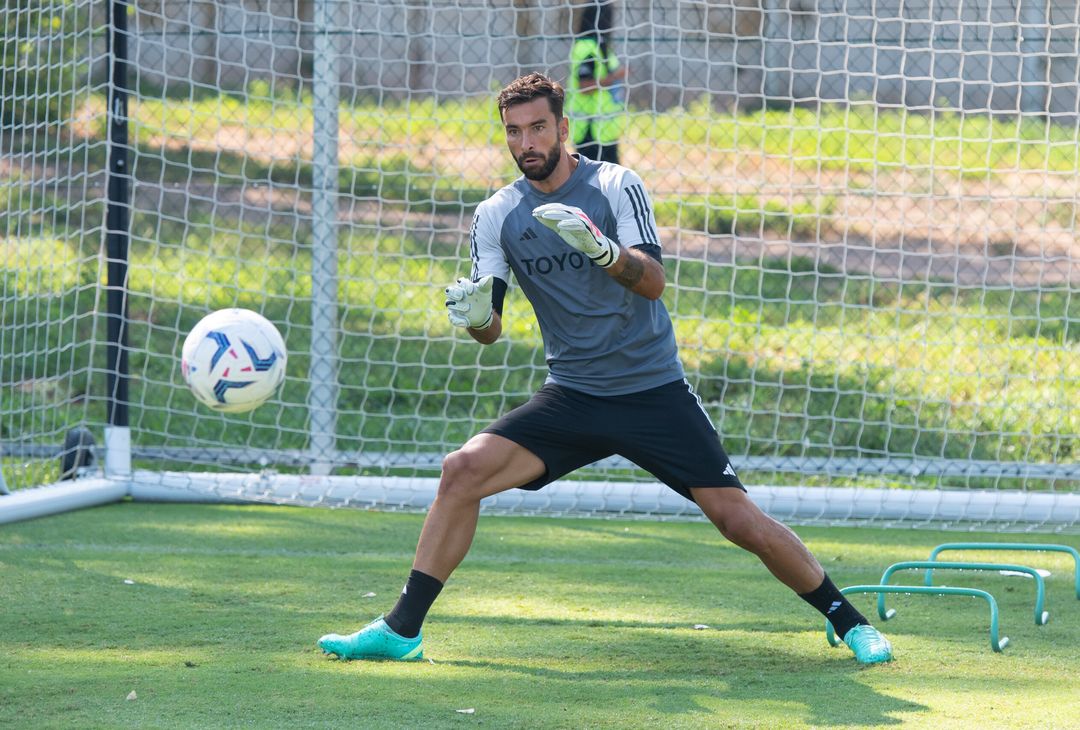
[
  {"x": 486, "y": 465},
  {"x": 784, "y": 554},
  {"x": 743, "y": 523}
]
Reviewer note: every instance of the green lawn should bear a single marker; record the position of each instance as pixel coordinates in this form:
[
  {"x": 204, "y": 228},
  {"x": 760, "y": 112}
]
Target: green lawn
[
  {"x": 859, "y": 137},
  {"x": 550, "y": 623},
  {"x": 793, "y": 358}
]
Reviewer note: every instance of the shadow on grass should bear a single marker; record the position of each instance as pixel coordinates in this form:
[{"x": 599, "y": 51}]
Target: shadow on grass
[
  {"x": 218, "y": 627},
  {"x": 680, "y": 673}
]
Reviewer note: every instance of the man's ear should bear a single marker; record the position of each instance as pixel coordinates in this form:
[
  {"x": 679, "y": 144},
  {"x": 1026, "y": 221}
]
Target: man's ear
[{"x": 564, "y": 129}]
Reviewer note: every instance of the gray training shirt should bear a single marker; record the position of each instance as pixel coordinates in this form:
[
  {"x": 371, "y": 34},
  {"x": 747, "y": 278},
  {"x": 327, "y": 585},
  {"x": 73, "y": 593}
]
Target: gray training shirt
[{"x": 599, "y": 337}]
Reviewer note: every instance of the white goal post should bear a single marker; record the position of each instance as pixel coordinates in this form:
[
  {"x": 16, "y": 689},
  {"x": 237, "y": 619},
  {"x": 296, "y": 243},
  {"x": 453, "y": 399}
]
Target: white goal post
[{"x": 868, "y": 216}]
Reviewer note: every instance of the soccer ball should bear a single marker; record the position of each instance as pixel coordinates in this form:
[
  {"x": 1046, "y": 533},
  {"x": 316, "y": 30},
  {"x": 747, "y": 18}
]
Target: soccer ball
[{"x": 233, "y": 360}]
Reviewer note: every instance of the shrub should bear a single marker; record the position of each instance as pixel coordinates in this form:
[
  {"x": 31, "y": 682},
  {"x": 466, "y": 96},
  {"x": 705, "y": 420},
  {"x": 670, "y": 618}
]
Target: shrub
[{"x": 41, "y": 60}]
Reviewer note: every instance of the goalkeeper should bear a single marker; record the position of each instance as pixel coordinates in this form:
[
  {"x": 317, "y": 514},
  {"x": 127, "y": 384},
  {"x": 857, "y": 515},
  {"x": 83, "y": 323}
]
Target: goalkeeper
[{"x": 581, "y": 240}]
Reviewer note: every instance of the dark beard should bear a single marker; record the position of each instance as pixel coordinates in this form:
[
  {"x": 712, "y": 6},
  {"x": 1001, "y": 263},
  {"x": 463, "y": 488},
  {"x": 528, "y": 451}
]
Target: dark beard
[{"x": 551, "y": 161}]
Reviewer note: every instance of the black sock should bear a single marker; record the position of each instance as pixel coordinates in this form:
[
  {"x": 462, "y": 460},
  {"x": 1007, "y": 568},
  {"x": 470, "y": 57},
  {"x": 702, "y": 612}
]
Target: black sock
[
  {"x": 416, "y": 598},
  {"x": 828, "y": 599}
]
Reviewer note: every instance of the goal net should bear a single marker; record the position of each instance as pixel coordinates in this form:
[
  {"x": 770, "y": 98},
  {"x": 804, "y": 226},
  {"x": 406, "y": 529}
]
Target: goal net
[{"x": 868, "y": 215}]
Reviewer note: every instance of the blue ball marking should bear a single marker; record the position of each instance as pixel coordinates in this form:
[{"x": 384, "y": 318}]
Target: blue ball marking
[
  {"x": 223, "y": 385},
  {"x": 222, "y": 347},
  {"x": 262, "y": 364}
]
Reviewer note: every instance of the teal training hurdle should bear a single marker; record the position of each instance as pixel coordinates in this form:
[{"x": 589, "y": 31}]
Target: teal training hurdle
[
  {"x": 1041, "y": 616},
  {"x": 1012, "y": 546},
  {"x": 996, "y": 644}
]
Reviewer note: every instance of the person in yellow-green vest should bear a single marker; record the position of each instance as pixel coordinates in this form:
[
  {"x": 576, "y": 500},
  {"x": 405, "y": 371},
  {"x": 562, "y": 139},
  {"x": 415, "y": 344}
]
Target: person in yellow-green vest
[{"x": 595, "y": 95}]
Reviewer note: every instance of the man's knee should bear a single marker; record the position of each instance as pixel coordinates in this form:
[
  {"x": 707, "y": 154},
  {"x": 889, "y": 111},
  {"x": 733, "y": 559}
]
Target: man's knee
[
  {"x": 737, "y": 518},
  {"x": 487, "y": 464},
  {"x": 459, "y": 474},
  {"x": 748, "y": 534}
]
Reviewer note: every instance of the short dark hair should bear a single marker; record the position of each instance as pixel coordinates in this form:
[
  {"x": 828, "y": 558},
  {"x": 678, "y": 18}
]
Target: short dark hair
[{"x": 533, "y": 86}]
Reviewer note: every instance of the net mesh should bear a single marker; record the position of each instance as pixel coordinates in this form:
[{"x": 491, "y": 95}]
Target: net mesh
[
  {"x": 868, "y": 216},
  {"x": 51, "y": 159}
]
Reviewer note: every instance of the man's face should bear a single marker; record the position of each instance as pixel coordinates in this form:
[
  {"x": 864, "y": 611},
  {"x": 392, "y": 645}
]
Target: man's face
[{"x": 535, "y": 137}]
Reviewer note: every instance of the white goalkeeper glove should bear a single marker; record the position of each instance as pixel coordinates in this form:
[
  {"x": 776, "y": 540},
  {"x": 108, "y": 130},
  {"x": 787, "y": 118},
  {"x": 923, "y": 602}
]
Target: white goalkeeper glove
[
  {"x": 578, "y": 230},
  {"x": 468, "y": 303}
]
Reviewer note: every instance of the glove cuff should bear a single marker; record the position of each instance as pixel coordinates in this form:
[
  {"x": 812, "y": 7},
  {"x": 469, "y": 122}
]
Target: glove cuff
[
  {"x": 609, "y": 256},
  {"x": 485, "y": 325}
]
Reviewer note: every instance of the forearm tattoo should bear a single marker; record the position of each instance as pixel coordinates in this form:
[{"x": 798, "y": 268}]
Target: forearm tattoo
[{"x": 632, "y": 272}]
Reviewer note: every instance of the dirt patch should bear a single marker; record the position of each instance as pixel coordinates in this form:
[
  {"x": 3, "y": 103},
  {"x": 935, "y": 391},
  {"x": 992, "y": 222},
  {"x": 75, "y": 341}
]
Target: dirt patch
[{"x": 1015, "y": 229}]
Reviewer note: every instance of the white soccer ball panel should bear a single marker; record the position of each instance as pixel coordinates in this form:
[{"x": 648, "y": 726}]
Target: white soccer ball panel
[{"x": 233, "y": 360}]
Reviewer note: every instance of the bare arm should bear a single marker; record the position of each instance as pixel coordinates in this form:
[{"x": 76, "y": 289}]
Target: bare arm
[
  {"x": 638, "y": 272},
  {"x": 489, "y": 334}
]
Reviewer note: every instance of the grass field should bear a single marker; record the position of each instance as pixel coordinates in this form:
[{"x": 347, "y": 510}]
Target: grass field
[
  {"x": 210, "y": 613},
  {"x": 860, "y": 137},
  {"x": 793, "y": 357},
  {"x": 790, "y": 358}
]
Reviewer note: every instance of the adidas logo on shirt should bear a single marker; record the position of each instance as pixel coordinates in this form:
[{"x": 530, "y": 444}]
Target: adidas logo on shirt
[
  {"x": 729, "y": 471},
  {"x": 528, "y": 235}
]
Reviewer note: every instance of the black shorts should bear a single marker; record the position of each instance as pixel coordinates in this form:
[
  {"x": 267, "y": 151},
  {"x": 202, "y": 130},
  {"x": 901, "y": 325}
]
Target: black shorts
[{"x": 663, "y": 430}]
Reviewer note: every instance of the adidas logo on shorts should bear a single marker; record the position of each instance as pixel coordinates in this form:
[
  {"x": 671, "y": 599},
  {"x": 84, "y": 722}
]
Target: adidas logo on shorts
[{"x": 729, "y": 471}]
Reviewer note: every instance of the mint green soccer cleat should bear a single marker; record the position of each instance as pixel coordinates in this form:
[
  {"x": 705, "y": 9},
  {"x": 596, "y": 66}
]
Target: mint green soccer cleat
[
  {"x": 374, "y": 641},
  {"x": 869, "y": 645}
]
